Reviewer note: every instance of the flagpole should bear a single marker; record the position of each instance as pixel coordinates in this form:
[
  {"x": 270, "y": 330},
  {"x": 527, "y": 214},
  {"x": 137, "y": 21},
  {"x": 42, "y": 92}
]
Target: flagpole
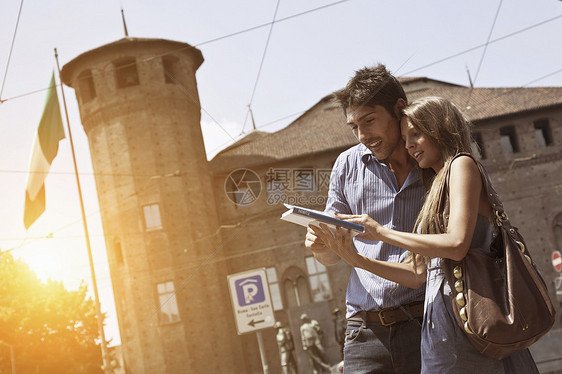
[{"x": 104, "y": 351}]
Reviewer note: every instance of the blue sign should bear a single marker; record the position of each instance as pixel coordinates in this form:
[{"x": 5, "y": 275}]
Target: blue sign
[{"x": 249, "y": 290}]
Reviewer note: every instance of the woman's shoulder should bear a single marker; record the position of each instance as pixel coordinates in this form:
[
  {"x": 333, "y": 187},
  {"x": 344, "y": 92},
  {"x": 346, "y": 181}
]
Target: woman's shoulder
[
  {"x": 464, "y": 168},
  {"x": 466, "y": 163}
]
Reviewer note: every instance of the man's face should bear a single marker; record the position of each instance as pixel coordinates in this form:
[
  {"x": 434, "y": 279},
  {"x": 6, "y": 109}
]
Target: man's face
[{"x": 376, "y": 128}]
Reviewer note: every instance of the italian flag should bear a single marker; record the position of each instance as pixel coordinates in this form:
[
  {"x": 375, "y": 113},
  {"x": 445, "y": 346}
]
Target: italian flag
[{"x": 45, "y": 148}]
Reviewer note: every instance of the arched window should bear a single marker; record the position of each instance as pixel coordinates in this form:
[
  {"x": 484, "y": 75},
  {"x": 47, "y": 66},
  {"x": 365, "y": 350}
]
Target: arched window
[{"x": 295, "y": 287}]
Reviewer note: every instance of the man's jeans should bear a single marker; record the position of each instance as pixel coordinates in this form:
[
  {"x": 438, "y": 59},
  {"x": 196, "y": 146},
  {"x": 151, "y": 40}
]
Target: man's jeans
[{"x": 372, "y": 348}]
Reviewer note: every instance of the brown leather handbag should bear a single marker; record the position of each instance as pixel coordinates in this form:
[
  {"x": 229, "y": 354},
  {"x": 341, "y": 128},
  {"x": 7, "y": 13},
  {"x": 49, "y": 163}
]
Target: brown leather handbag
[{"x": 498, "y": 296}]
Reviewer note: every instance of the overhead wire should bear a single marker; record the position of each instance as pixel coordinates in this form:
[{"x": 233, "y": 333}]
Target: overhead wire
[
  {"x": 260, "y": 68},
  {"x": 317, "y": 9},
  {"x": 207, "y": 42},
  {"x": 195, "y": 101},
  {"x": 473, "y": 82},
  {"x": 436, "y": 62},
  {"x": 510, "y": 90},
  {"x": 10, "y": 54},
  {"x": 487, "y": 42},
  {"x": 226, "y": 36}
]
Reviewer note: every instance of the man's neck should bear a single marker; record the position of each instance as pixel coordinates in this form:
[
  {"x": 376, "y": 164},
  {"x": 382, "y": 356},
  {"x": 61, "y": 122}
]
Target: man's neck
[{"x": 400, "y": 163}]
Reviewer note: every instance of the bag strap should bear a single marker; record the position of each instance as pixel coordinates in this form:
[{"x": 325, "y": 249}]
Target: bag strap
[{"x": 501, "y": 218}]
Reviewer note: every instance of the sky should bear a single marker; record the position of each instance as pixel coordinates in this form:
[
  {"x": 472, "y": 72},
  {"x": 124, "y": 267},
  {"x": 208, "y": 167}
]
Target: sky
[{"x": 278, "y": 70}]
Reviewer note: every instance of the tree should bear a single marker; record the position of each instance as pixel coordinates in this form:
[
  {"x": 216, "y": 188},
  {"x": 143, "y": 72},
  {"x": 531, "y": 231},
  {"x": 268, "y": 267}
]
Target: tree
[{"x": 51, "y": 330}]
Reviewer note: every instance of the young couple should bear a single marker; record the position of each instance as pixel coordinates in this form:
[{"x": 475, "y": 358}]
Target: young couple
[{"x": 378, "y": 185}]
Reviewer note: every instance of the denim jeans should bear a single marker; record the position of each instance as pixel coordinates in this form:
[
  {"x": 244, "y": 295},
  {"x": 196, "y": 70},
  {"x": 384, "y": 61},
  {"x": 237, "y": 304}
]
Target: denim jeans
[{"x": 372, "y": 348}]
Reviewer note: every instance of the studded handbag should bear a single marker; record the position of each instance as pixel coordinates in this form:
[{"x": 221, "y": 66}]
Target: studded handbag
[{"x": 499, "y": 299}]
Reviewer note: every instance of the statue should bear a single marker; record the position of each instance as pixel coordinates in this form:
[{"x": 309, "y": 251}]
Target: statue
[
  {"x": 339, "y": 329},
  {"x": 310, "y": 335},
  {"x": 286, "y": 347}
]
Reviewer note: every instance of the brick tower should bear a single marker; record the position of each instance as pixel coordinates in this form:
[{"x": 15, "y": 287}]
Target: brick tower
[{"x": 140, "y": 110}]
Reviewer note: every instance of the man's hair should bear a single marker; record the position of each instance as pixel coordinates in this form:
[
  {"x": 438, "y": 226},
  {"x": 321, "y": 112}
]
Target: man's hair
[{"x": 371, "y": 86}]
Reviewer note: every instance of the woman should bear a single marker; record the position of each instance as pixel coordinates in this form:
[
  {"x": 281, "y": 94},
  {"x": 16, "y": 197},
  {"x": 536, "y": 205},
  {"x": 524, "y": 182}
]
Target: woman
[{"x": 435, "y": 131}]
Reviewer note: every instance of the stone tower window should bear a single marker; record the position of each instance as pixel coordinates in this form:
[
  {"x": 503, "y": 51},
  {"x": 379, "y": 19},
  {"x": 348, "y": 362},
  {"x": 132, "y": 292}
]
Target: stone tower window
[
  {"x": 86, "y": 88},
  {"x": 508, "y": 140},
  {"x": 478, "y": 146},
  {"x": 168, "y": 305},
  {"x": 543, "y": 133},
  {"x": 319, "y": 282},
  {"x": 126, "y": 74},
  {"x": 171, "y": 65},
  {"x": 152, "y": 220}
]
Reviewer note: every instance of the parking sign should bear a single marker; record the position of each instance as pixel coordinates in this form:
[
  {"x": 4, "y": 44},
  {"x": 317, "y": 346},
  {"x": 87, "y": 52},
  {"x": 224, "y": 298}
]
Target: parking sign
[{"x": 249, "y": 293}]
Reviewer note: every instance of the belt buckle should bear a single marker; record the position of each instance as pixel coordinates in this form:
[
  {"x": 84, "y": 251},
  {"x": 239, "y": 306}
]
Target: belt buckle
[{"x": 381, "y": 318}]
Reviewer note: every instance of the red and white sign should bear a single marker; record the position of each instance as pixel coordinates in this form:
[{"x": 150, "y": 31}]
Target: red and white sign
[{"x": 557, "y": 261}]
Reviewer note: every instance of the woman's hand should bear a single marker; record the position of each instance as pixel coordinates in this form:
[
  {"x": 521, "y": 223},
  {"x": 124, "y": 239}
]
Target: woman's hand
[
  {"x": 372, "y": 228},
  {"x": 339, "y": 242}
]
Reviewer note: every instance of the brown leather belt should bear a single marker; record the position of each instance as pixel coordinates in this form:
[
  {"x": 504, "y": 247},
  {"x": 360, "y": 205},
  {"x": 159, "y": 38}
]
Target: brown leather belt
[{"x": 390, "y": 316}]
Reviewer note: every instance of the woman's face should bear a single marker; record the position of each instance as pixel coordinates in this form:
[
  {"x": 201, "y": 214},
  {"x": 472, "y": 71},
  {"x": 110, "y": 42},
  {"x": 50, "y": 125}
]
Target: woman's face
[{"x": 421, "y": 147}]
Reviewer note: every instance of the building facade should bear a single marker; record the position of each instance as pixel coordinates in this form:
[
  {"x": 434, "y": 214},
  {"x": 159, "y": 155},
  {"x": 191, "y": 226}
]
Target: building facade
[{"x": 177, "y": 225}]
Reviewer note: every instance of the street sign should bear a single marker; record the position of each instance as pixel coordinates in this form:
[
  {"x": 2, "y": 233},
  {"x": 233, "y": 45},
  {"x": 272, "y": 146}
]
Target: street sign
[
  {"x": 249, "y": 293},
  {"x": 557, "y": 261}
]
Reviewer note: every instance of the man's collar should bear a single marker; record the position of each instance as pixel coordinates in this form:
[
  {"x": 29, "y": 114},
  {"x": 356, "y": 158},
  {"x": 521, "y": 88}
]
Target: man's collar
[{"x": 366, "y": 154}]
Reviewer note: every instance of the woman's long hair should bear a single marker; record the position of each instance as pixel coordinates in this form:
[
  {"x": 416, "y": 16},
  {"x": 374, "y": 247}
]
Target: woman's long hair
[{"x": 443, "y": 122}]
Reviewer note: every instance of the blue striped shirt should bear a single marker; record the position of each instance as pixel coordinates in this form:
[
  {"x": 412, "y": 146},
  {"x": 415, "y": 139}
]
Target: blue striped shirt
[{"x": 361, "y": 184}]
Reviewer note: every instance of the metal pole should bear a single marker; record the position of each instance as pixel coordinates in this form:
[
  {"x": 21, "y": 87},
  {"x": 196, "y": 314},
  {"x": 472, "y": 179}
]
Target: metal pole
[
  {"x": 262, "y": 353},
  {"x": 13, "y": 359},
  {"x": 104, "y": 352}
]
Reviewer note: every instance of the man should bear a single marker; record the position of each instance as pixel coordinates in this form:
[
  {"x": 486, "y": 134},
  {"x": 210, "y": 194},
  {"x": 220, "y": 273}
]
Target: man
[
  {"x": 286, "y": 347},
  {"x": 312, "y": 344},
  {"x": 378, "y": 178}
]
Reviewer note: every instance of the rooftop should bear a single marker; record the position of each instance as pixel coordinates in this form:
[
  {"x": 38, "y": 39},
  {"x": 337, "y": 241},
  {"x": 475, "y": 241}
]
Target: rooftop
[{"x": 321, "y": 128}]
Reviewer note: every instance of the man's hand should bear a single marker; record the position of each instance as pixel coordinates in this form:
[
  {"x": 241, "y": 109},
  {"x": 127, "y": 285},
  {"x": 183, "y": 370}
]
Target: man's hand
[{"x": 321, "y": 252}]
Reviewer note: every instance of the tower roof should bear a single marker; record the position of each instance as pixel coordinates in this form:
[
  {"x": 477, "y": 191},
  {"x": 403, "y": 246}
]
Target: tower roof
[{"x": 127, "y": 43}]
